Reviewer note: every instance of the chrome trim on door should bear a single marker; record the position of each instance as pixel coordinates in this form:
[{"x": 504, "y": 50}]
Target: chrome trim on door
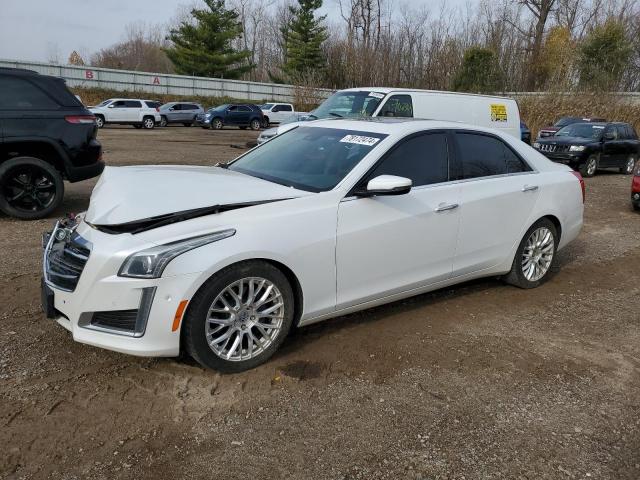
[
  {"x": 530, "y": 188},
  {"x": 444, "y": 207}
]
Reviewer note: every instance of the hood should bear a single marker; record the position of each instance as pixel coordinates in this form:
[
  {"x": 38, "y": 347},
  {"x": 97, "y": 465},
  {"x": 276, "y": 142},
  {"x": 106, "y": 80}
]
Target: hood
[
  {"x": 125, "y": 195},
  {"x": 567, "y": 141}
]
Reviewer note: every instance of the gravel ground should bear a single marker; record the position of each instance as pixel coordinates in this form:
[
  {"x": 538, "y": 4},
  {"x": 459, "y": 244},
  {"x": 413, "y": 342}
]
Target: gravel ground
[{"x": 478, "y": 381}]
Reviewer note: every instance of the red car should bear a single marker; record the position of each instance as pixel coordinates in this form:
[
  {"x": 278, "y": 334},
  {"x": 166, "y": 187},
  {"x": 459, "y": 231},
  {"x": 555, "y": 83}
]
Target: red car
[{"x": 635, "y": 188}]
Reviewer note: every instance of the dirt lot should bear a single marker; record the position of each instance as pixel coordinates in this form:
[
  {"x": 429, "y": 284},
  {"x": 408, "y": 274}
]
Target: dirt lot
[{"x": 478, "y": 381}]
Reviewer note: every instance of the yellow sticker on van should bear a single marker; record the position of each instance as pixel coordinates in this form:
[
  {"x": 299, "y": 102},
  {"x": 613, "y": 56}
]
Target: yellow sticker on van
[{"x": 498, "y": 112}]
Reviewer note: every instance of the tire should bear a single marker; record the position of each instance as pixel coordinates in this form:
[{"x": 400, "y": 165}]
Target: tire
[
  {"x": 519, "y": 276},
  {"x": 234, "y": 326},
  {"x": 148, "y": 123},
  {"x": 163, "y": 121},
  {"x": 589, "y": 168},
  {"x": 217, "y": 124},
  {"x": 255, "y": 124},
  {"x": 99, "y": 121},
  {"x": 30, "y": 188},
  {"x": 629, "y": 166},
  {"x": 265, "y": 122},
  {"x": 636, "y": 207}
]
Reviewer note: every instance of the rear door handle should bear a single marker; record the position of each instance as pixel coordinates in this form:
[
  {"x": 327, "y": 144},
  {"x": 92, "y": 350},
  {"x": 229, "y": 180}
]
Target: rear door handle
[
  {"x": 443, "y": 207},
  {"x": 530, "y": 188}
]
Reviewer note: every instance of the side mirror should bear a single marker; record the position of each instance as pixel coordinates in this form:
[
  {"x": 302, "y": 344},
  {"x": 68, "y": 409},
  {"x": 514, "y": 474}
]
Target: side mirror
[
  {"x": 386, "y": 185},
  {"x": 111, "y": 106},
  {"x": 609, "y": 136}
]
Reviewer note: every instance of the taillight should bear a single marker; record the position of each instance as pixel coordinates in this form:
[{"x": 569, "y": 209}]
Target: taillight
[
  {"x": 581, "y": 180},
  {"x": 85, "y": 119},
  {"x": 158, "y": 109}
]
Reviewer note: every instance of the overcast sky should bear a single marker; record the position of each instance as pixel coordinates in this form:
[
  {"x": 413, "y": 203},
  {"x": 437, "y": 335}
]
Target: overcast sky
[{"x": 43, "y": 30}]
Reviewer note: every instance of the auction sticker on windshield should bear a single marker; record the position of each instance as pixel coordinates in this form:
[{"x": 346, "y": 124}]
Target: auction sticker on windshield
[
  {"x": 498, "y": 112},
  {"x": 360, "y": 140}
]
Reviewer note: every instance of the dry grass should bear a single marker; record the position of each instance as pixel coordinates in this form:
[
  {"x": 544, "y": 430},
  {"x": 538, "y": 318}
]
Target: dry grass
[{"x": 542, "y": 110}]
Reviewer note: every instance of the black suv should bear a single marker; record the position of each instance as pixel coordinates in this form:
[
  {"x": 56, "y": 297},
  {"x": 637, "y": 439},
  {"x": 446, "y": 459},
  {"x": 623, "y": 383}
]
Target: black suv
[
  {"x": 563, "y": 122},
  {"x": 590, "y": 146},
  {"x": 46, "y": 135},
  {"x": 241, "y": 115}
]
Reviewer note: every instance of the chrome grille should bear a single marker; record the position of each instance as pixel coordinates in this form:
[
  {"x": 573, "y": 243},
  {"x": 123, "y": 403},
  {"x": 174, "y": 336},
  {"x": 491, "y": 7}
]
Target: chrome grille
[
  {"x": 550, "y": 148},
  {"x": 64, "y": 259}
]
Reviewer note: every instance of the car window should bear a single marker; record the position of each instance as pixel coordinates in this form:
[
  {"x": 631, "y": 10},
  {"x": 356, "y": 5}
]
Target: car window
[
  {"x": 484, "y": 156},
  {"x": 243, "y": 108},
  {"x": 177, "y": 107},
  {"x": 153, "y": 104},
  {"x": 424, "y": 159},
  {"x": 132, "y": 104},
  {"x": 118, "y": 104},
  {"x": 621, "y": 132},
  {"x": 189, "y": 106},
  {"x": 611, "y": 130},
  {"x": 309, "y": 158},
  {"x": 348, "y": 104},
  {"x": 397, "y": 106},
  {"x": 233, "y": 108},
  {"x": 286, "y": 108},
  {"x": 17, "y": 93}
]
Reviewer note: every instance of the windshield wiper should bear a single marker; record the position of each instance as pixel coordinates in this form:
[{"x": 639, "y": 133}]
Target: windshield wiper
[
  {"x": 336, "y": 114},
  {"x": 312, "y": 115}
]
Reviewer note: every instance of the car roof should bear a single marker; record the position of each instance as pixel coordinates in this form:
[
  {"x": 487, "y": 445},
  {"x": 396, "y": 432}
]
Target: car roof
[
  {"x": 393, "y": 125},
  {"x": 18, "y": 71},
  {"x": 387, "y": 90}
]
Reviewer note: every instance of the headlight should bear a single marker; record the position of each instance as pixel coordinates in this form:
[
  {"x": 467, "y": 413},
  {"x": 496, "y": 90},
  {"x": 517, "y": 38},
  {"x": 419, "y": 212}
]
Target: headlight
[
  {"x": 150, "y": 263},
  {"x": 208, "y": 115},
  {"x": 576, "y": 148},
  {"x": 536, "y": 145}
]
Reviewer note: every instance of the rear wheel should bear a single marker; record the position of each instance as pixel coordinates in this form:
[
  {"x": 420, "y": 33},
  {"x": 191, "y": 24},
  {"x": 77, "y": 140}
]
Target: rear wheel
[
  {"x": 629, "y": 165},
  {"x": 265, "y": 122},
  {"x": 148, "y": 123},
  {"x": 30, "y": 188},
  {"x": 99, "y": 121},
  {"x": 588, "y": 169},
  {"x": 255, "y": 124},
  {"x": 535, "y": 256},
  {"x": 163, "y": 121},
  {"x": 239, "y": 317}
]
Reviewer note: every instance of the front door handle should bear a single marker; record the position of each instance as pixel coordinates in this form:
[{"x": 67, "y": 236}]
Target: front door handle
[
  {"x": 443, "y": 207},
  {"x": 530, "y": 188}
]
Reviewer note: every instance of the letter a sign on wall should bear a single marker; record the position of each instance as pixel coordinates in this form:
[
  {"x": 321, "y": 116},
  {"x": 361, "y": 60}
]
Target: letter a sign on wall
[{"x": 156, "y": 80}]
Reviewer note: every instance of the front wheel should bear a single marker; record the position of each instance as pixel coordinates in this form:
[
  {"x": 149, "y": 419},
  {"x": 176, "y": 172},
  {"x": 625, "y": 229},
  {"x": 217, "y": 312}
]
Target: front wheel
[
  {"x": 239, "y": 317},
  {"x": 30, "y": 188},
  {"x": 216, "y": 124},
  {"x": 148, "y": 123},
  {"x": 99, "y": 121},
  {"x": 535, "y": 256},
  {"x": 588, "y": 169},
  {"x": 629, "y": 166}
]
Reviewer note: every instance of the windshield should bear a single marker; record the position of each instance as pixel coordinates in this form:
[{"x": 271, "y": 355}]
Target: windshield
[
  {"x": 218, "y": 108},
  {"x": 105, "y": 103},
  {"x": 348, "y": 104},
  {"x": 307, "y": 158},
  {"x": 581, "y": 130},
  {"x": 563, "y": 122},
  {"x": 266, "y": 106}
]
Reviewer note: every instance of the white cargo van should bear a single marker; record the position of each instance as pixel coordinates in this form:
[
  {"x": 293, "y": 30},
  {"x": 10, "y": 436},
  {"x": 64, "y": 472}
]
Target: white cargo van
[{"x": 500, "y": 113}]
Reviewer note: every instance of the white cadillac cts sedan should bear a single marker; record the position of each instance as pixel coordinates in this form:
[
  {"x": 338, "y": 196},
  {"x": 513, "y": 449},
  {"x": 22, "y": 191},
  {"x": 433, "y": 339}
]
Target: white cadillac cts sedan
[{"x": 331, "y": 217}]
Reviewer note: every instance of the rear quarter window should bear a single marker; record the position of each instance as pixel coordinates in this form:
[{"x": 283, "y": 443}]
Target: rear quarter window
[
  {"x": 21, "y": 94},
  {"x": 485, "y": 156}
]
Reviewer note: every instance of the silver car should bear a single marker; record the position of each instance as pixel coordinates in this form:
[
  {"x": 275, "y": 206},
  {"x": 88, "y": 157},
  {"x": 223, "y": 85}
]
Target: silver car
[{"x": 179, "y": 112}]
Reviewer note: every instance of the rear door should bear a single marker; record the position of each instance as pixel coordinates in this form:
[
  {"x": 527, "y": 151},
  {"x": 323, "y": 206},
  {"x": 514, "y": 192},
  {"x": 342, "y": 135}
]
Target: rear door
[
  {"x": 133, "y": 111},
  {"x": 612, "y": 148},
  {"x": 390, "y": 244},
  {"x": 497, "y": 197}
]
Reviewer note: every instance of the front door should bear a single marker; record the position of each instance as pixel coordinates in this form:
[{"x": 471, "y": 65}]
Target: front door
[{"x": 390, "y": 244}]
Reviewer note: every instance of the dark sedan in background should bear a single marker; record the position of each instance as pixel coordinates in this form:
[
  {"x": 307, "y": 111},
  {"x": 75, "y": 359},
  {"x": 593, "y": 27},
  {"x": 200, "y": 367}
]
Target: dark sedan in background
[
  {"x": 240, "y": 115},
  {"x": 588, "y": 147}
]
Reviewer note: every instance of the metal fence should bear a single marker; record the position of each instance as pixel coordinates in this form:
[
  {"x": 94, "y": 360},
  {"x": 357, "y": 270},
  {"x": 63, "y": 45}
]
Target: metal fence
[{"x": 160, "y": 83}]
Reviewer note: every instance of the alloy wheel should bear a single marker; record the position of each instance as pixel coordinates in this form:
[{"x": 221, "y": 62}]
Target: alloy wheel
[
  {"x": 244, "y": 319},
  {"x": 163, "y": 122},
  {"x": 538, "y": 254},
  {"x": 592, "y": 166},
  {"x": 99, "y": 122},
  {"x": 217, "y": 124},
  {"x": 29, "y": 188},
  {"x": 149, "y": 123},
  {"x": 631, "y": 163}
]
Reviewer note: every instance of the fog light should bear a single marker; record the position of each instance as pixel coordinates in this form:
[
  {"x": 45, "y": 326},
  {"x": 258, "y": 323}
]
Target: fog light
[{"x": 636, "y": 196}]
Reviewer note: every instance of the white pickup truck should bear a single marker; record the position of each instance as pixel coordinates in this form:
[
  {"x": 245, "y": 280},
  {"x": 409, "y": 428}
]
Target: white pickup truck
[{"x": 276, "y": 112}]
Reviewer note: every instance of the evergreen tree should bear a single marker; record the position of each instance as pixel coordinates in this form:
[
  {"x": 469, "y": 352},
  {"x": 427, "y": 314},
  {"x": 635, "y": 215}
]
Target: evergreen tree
[
  {"x": 204, "y": 47},
  {"x": 478, "y": 72},
  {"x": 604, "y": 56},
  {"x": 303, "y": 37}
]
